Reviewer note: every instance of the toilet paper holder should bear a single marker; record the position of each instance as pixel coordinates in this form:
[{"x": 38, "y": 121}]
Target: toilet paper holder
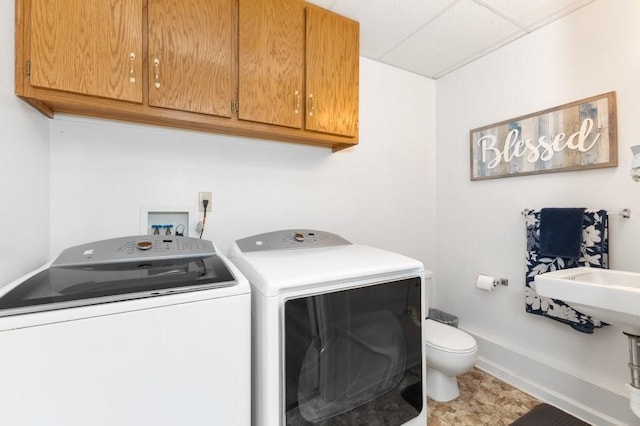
[
  {"x": 488, "y": 283},
  {"x": 501, "y": 281}
]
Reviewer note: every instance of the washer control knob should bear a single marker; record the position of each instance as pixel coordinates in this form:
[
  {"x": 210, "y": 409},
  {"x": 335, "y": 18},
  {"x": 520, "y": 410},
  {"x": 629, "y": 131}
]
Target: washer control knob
[
  {"x": 144, "y": 245},
  {"x": 298, "y": 236}
]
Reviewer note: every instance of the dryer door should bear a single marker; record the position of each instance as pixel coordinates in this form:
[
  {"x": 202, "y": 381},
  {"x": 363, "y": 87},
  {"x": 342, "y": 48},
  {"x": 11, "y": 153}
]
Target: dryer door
[{"x": 350, "y": 353}]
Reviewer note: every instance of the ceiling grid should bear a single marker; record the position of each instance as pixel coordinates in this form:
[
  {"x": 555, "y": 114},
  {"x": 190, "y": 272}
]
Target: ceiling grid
[{"x": 435, "y": 37}]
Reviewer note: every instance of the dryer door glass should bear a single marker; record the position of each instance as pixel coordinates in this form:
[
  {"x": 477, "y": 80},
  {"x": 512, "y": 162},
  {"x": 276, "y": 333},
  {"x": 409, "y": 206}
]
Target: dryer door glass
[{"x": 350, "y": 354}]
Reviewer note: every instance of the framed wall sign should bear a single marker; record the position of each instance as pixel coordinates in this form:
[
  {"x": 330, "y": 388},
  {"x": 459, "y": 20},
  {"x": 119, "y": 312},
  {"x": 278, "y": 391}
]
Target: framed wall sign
[{"x": 575, "y": 136}]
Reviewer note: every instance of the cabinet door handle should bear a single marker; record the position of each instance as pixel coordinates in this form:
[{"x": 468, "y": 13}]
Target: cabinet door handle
[
  {"x": 132, "y": 76},
  {"x": 156, "y": 73},
  {"x": 312, "y": 104},
  {"x": 296, "y": 107}
]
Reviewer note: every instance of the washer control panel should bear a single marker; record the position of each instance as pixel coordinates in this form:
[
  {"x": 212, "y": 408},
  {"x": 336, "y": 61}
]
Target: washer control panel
[
  {"x": 134, "y": 248},
  {"x": 290, "y": 239}
]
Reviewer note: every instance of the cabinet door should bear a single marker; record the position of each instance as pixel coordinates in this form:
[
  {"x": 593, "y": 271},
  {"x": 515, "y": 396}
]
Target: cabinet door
[
  {"x": 332, "y": 60},
  {"x": 88, "y": 47},
  {"x": 271, "y": 59},
  {"x": 190, "y": 54}
]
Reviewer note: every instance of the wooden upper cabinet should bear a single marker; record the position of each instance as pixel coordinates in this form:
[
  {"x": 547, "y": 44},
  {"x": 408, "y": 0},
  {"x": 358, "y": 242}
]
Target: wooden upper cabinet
[
  {"x": 271, "y": 61},
  {"x": 190, "y": 55},
  {"x": 88, "y": 47},
  {"x": 332, "y": 72},
  {"x": 282, "y": 70}
]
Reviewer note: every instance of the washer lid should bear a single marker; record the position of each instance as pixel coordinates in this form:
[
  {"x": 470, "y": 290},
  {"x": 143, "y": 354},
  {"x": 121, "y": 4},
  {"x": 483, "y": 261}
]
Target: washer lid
[
  {"x": 119, "y": 269},
  {"x": 447, "y": 338}
]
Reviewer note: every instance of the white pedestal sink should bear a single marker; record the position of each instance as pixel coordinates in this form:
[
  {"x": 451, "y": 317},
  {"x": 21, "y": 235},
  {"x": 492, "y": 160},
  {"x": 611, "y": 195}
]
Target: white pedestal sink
[{"x": 608, "y": 295}]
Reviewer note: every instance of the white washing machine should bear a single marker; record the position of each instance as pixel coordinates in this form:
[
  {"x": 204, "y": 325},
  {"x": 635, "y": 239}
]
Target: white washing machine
[
  {"x": 337, "y": 331},
  {"x": 130, "y": 331}
]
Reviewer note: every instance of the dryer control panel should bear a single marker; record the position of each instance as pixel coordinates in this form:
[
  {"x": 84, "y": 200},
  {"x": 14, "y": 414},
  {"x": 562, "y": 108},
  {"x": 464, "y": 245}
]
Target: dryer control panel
[{"x": 290, "y": 239}]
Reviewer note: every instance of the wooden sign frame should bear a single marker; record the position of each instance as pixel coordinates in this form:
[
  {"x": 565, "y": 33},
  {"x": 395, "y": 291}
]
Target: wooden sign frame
[{"x": 576, "y": 136}]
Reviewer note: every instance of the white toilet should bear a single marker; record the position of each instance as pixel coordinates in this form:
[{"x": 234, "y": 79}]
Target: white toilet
[{"x": 449, "y": 352}]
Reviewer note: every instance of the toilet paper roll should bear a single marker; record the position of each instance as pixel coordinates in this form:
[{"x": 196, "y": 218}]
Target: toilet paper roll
[{"x": 485, "y": 282}]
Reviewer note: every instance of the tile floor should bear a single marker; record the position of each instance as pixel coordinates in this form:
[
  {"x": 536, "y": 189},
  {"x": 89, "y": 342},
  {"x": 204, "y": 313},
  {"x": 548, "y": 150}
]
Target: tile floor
[{"x": 483, "y": 400}]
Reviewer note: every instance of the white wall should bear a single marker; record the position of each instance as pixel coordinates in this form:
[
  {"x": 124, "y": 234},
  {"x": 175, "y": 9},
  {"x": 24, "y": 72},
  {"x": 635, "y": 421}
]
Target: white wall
[
  {"x": 379, "y": 192},
  {"x": 24, "y": 169},
  {"x": 479, "y": 225}
]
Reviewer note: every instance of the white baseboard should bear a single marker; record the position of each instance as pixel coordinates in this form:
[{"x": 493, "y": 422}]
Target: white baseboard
[{"x": 587, "y": 401}]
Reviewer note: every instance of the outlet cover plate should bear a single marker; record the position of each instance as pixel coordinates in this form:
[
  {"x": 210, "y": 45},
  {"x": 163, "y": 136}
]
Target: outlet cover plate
[{"x": 205, "y": 196}]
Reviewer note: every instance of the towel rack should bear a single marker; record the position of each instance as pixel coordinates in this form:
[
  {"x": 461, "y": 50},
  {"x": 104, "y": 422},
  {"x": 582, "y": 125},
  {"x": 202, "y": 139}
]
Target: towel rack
[{"x": 624, "y": 213}]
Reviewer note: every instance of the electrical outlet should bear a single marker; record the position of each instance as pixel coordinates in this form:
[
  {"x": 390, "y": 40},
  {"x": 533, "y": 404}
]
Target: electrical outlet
[{"x": 205, "y": 196}]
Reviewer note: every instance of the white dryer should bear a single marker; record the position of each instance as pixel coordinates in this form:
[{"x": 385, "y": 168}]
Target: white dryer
[
  {"x": 337, "y": 331},
  {"x": 130, "y": 331}
]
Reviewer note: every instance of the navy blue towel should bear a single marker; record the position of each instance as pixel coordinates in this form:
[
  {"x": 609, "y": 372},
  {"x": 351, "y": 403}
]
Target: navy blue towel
[
  {"x": 561, "y": 232},
  {"x": 594, "y": 253}
]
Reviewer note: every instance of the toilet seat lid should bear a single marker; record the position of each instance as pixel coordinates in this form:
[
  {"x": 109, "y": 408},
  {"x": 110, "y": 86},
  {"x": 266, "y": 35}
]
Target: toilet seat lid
[{"x": 447, "y": 338}]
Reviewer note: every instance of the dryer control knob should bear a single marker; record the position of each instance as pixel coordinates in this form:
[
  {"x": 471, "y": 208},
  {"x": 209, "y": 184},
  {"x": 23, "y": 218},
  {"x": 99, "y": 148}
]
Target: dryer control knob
[{"x": 299, "y": 236}]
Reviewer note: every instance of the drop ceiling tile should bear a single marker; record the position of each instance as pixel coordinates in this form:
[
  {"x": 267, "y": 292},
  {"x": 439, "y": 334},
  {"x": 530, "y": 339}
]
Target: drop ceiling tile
[
  {"x": 533, "y": 14},
  {"x": 455, "y": 37},
  {"x": 325, "y": 4},
  {"x": 385, "y": 23}
]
